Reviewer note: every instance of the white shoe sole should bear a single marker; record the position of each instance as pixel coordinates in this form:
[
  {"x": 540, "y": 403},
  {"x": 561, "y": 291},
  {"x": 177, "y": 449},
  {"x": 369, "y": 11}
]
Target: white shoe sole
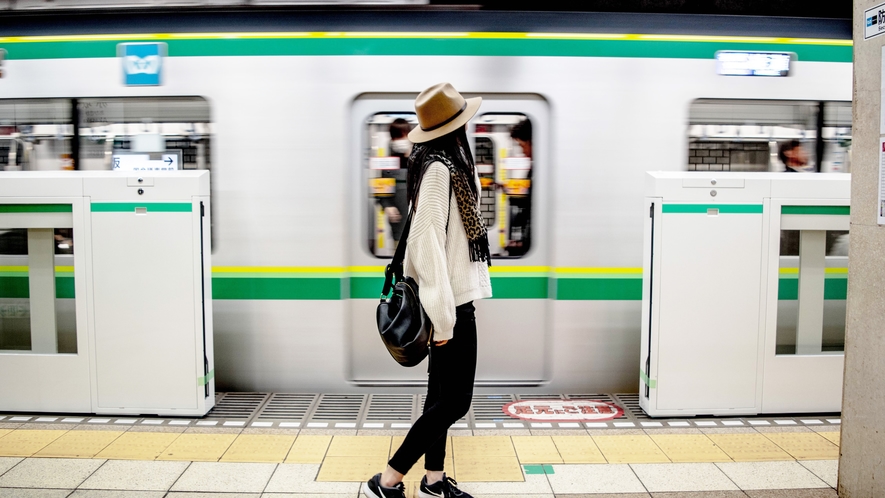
[
  {"x": 368, "y": 492},
  {"x": 422, "y": 494}
]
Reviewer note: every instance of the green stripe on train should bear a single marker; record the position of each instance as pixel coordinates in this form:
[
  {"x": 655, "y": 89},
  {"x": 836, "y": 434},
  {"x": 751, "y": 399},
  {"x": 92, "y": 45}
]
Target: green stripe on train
[
  {"x": 502, "y": 287},
  {"x": 276, "y": 288},
  {"x": 17, "y": 287},
  {"x": 819, "y": 210},
  {"x": 598, "y": 289},
  {"x": 467, "y": 46},
  {"x": 567, "y": 289},
  {"x": 834, "y": 289}
]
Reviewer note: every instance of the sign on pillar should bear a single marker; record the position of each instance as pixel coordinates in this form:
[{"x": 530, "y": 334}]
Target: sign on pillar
[
  {"x": 880, "y": 204},
  {"x": 880, "y": 218}
]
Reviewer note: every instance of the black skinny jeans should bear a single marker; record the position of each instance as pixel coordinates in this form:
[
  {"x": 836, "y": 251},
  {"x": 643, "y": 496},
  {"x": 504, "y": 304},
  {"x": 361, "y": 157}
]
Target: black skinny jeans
[{"x": 449, "y": 393}]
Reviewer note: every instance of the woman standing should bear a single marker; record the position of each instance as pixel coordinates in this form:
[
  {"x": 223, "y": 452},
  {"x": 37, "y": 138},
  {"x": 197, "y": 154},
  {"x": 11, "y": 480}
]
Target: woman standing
[{"x": 448, "y": 255}]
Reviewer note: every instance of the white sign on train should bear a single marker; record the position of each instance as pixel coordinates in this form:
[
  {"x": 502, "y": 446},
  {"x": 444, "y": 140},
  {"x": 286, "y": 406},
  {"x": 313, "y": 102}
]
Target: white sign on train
[
  {"x": 518, "y": 163},
  {"x": 384, "y": 162},
  {"x": 167, "y": 161},
  {"x": 558, "y": 410},
  {"x": 874, "y": 21}
]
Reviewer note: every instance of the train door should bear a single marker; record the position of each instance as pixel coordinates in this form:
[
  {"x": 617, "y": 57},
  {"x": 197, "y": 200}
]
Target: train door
[{"x": 509, "y": 141}]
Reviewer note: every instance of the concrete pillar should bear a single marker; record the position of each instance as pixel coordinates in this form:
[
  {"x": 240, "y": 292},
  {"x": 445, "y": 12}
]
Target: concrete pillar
[{"x": 862, "y": 460}]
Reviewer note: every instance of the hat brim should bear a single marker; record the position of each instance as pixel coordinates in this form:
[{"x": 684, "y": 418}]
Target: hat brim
[{"x": 418, "y": 135}]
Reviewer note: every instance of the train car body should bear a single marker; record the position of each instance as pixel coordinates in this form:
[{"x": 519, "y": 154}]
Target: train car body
[{"x": 295, "y": 286}]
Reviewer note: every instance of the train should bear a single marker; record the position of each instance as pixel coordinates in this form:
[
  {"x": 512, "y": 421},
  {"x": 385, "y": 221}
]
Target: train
[{"x": 290, "y": 110}]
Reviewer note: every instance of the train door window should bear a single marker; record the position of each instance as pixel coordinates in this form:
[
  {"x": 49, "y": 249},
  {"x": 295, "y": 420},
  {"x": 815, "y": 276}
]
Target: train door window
[
  {"x": 503, "y": 144},
  {"x": 87, "y": 133},
  {"x": 36, "y": 134},
  {"x": 502, "y": 153},
  {"x": 387, "y": 204},
  {"x": 145, "y": 133},
  {"x": 769, "y": 135}
]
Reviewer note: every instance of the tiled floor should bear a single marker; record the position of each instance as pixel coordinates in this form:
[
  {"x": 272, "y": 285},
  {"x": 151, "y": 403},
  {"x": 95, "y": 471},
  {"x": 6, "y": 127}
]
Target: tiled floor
[{"x": 135, "y": 460}]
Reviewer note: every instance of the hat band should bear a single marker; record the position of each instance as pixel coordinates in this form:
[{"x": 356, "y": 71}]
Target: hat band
[{"x": 440, "y": 125}]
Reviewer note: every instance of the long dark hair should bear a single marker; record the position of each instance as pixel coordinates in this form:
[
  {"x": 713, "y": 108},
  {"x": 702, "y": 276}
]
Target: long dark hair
[{"x": 452, "y": 145}]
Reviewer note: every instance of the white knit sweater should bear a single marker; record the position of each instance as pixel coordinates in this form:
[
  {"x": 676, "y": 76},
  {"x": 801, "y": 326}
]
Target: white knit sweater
[{"x": 440, "y": 261}]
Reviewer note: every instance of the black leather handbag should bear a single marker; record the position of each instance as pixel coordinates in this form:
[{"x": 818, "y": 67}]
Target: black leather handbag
[{"x": 404, "y": 326}]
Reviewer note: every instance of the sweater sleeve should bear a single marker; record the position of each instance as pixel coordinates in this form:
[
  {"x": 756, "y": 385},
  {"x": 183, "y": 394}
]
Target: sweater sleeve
[{"x": 427, "y": 250}]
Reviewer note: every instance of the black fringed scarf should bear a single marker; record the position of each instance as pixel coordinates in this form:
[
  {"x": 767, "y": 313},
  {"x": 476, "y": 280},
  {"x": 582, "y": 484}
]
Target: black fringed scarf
[{"x": 468, "y": 208}]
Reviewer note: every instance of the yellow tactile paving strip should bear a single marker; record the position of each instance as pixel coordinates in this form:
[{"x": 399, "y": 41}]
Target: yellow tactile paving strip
[
  {"x": 198, "y": 447},
  {"x": 578, "y": 449},
  {"x": 630, "y": 449},
  {"x": 489, "y": 469},
  {"x": 684, "y": 448},
  {"x": 24, "y": 443},
  {"x": 353, "y": 469},
  {"x": 536, "y": 449},
  {"x": 360, "y": 446},
  {"x": 468, "y": 458},
  {"x": 833, "y": 437},
  {"x": 805, "y": 445},
  {"x": 491, "y": 458},
  {"x": 259, "y": 448},
  {"x": 138, "y": 446},
  {"x": 749, "y": 447},
  {"x": 79, "y": 444},
  {"x": 352, "y": 458},
  {"x": 309, "y": 449}
]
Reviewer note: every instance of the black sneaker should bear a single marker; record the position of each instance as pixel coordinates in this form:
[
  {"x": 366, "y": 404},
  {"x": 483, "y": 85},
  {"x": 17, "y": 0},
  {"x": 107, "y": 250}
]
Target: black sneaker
[
  {"x": 447, "y": 488},
  {"x": 374, "y": 489}
]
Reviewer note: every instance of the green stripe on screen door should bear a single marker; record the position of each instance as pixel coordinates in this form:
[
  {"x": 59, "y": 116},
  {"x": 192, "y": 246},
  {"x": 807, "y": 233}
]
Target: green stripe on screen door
[
  {"x": 151, "y": 207},
  {"x": 704, "y": 208}
]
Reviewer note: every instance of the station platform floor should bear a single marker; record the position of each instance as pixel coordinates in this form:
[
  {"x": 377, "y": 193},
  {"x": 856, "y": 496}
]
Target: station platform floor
[{"x": 246, "y": 447}]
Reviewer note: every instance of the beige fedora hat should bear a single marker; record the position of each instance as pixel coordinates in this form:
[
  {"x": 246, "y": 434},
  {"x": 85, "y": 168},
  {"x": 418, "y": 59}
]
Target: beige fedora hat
[{"x": 441, "y": 110}]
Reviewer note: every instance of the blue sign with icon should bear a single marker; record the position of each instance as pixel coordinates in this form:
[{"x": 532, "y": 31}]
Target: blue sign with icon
[{"x": 142, "y": 63}]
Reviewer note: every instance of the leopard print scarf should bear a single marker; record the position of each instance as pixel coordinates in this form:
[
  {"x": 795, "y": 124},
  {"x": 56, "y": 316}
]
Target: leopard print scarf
[{"x": 468, "y": 208}]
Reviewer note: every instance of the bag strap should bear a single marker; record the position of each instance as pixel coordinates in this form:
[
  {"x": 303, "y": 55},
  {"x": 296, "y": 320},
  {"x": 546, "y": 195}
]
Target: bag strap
[{"x": 394, "y": 271}]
